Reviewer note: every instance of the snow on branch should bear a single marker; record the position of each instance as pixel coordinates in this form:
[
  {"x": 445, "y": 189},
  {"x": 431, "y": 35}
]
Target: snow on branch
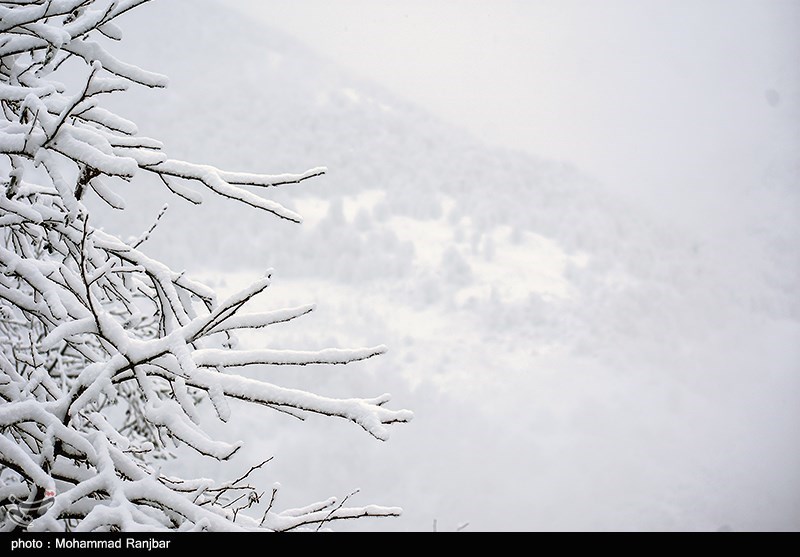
[
  {"x": 225, "y": 183},
  {"x": 211, "y": 357},
  {"x": 106, "y": 354}
]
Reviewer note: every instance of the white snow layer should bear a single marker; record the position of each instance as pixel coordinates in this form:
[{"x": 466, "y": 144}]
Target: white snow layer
[{"x": 574, "y": 360}]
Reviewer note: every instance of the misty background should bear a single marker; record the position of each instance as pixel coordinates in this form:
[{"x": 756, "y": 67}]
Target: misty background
[
  {"x": 573, "y": 223},
  {"x": 664, "y": 100}
]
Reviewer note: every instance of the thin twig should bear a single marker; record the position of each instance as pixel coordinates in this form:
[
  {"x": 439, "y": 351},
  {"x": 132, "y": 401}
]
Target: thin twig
[{"x": 336, "y": 508}]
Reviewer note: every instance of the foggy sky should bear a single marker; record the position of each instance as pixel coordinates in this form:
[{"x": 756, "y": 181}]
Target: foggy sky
[{"x": 659, "y": 99}]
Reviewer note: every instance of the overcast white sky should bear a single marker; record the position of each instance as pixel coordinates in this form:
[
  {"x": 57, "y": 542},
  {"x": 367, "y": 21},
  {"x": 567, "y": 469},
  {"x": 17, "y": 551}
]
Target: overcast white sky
[{"x": 670, "y": 97}]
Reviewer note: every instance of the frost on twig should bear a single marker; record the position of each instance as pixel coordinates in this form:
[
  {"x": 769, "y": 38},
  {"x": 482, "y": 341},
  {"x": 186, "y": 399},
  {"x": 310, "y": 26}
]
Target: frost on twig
[{"x": 106, "y": 353}]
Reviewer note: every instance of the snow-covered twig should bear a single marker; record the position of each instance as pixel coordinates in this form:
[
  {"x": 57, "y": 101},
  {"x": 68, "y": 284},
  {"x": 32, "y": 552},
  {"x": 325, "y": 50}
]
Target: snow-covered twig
[{"x": 105, "y": 352}]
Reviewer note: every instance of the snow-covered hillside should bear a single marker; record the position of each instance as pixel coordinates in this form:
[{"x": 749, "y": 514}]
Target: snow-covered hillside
[{"x": 575, "y": 361}]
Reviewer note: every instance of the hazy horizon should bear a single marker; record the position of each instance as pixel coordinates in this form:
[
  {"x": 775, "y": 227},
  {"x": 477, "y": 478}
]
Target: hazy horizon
[{"x": 659, "y": 100}]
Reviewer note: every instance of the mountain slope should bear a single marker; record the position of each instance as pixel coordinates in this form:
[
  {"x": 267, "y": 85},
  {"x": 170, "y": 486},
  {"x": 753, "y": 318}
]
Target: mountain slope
[{"x": 575, "y": 361}]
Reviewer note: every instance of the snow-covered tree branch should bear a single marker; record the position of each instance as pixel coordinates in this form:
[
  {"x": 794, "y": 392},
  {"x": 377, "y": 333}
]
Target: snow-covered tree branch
[{"x": 106, "y": 353}]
